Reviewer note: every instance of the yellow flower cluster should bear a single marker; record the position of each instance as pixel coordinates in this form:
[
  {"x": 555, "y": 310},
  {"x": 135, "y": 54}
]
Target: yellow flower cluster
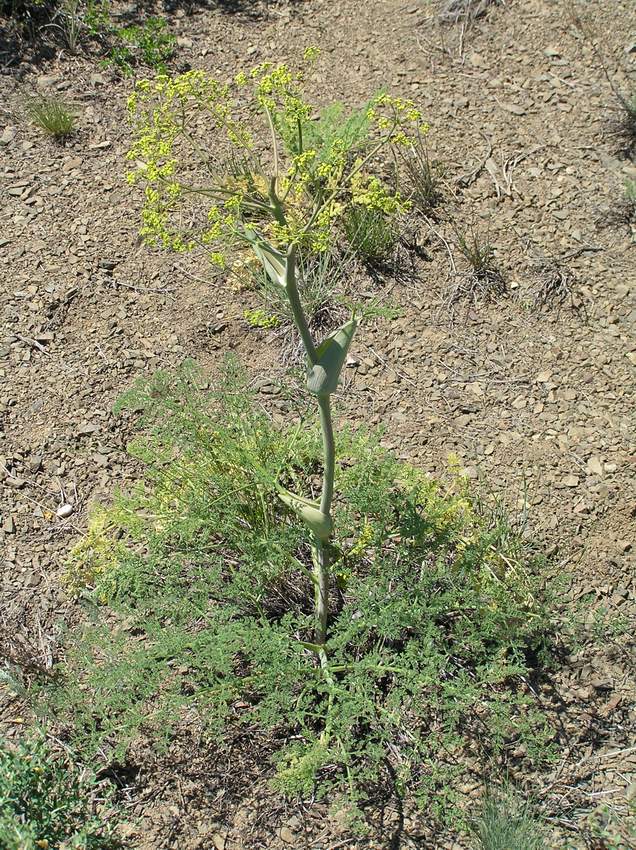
[{"x": 321, "y": 173}]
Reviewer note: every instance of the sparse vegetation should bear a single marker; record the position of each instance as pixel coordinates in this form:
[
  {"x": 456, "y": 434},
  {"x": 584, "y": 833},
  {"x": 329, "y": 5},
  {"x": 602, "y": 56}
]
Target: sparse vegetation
[
  {"x": 612, "y": 826},
  {"x": 52, "y": 115},
  {"x": 625, "y": 100},
  {"x": 149, "y": 44},
  {"x": 279, "y": 631}
]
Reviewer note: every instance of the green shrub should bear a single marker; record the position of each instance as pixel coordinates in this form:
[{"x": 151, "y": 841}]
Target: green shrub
[
  {"x": 52, "y": 115},
  {"x": 48, "y": 802},
  {"x": 435, "y": 612}
]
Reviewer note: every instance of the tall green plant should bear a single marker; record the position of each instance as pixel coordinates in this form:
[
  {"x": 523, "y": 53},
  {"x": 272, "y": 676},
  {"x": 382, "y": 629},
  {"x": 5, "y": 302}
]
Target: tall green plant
[{"x": 298, "y": 204}]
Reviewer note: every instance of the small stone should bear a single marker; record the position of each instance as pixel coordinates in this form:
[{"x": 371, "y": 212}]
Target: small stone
[
  {"x": 287, "y": 835},
  {"x": 594, "y": 466},
  {"x": 15, "y": 483},
  {"x": 514, "y": 108},
  {"x": 46, "y": 80},
  {"x": 8, "y": 135},
  {"x": 570, "y": 481},
  {"x": 87, "y": 428},
  {"x": 64, "y": 511},
  {"x": 32, "y": 579},
  {"x": 8, "y": 526}
]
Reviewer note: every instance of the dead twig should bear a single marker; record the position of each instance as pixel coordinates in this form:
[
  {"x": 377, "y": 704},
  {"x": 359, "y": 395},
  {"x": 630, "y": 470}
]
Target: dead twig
[{"x": 33, "y": 343}]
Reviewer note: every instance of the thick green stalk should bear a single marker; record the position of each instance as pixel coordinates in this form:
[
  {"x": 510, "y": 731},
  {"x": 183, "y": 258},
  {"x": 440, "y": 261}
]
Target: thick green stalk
[
  {"x": 319, "y": 548},
  {"x": 298, "y": 314}
]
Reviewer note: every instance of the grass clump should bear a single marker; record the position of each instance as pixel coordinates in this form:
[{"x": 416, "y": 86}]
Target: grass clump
[
  {"x": 370, "y": 233},
  {"x": 466, "y": 11},
  {"x": 483, "y": 280},
  {"x": 52, "y": 115},
  {"x": 47, "y": 802},
  {"x": 423, "y": 176},
  {"x": 506, "y": 823},
  {"x": 435, "y": 614}
]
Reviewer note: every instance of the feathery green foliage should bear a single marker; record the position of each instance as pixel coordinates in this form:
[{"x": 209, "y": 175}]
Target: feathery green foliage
[
  {"x": 149, "y": 43},
  {"x": 435, "y": 613}
]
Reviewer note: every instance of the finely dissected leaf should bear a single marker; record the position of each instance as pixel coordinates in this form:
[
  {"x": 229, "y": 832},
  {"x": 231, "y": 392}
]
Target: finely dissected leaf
[
  {"x": 273, "y": 261},
  {"x": 331, "y": 354},
  {"x": 319, "y": 524}
]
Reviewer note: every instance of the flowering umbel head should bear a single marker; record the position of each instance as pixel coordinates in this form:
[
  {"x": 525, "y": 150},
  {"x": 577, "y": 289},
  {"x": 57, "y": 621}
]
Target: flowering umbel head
[{"x": 199, "y": 192}]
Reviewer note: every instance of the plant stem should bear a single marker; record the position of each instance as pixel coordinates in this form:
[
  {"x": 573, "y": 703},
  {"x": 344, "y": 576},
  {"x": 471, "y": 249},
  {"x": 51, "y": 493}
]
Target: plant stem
[
  {"x": 319, "y": 548},
  {"x": 321, "y": 551},
  {"x": 298, "y": 314},
  {"x": 329, "y": 452}
]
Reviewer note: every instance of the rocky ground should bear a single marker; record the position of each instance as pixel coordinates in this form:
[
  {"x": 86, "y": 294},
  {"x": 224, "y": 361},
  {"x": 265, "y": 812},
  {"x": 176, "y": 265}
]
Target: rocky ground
[{"x": 533, "y": 391}]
